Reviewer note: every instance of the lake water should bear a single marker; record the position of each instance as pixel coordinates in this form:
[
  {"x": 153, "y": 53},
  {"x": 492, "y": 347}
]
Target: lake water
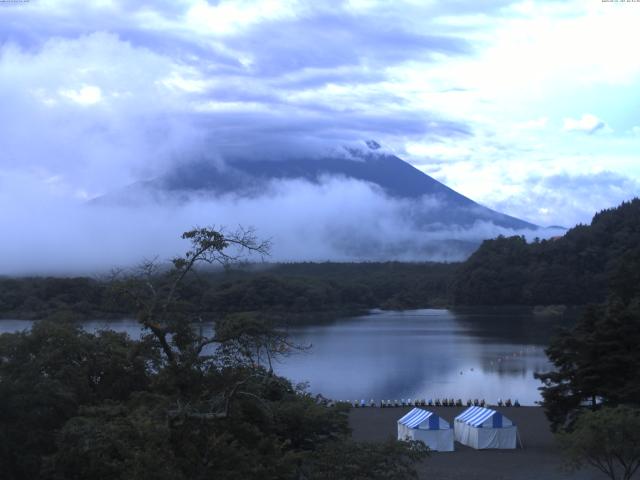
[{"x": 411, "y": 354}]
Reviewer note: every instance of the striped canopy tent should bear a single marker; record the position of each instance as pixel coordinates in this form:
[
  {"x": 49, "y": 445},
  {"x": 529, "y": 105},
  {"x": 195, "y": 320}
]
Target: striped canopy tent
[
  {"x": 480, "y": 428},
  {"x": 420, "y": 424}
]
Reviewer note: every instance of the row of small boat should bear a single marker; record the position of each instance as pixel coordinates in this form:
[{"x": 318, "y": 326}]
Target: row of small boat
[{"x": 445, "y": 402}]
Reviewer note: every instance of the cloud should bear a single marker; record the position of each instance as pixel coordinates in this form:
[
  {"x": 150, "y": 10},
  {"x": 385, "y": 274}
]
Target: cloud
[
  {"x": 98, "y": 95},
  {"x": 588, "y": 123},
  {"x": 567, "y": 199},
  {"x": 228, "y": 18},
  {"x": 92, "y": 110},
  {"x": 100, "y": 111},
  {"x": 534, "y": 124},
  {"x": 85, "y": 95},
  {"x": 335, "y": 219}
]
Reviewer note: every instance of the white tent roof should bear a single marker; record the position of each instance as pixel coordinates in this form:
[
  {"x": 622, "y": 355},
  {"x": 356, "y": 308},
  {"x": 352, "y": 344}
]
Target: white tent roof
[{"x": 419, "y": 418}]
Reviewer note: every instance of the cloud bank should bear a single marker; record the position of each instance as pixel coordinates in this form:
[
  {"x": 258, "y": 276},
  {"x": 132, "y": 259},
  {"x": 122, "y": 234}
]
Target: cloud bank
[
  {"x": 487, "y": 97},
  {"x": 337, "y": 219}
]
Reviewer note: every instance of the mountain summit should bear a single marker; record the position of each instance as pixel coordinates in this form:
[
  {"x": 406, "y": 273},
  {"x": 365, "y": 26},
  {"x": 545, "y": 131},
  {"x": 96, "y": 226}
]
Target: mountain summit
[
  {"x": 354, "y": 203},
  {"x": 395, "y": 177}
]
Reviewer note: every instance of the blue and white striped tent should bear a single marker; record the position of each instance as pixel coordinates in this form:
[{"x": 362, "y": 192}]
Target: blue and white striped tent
[
  {"x": 420, "y": 424},
  {"x": 480, "y": 428}
]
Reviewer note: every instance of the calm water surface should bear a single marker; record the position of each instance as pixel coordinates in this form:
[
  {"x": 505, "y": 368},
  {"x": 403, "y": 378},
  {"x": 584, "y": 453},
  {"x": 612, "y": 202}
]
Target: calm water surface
[
  {"x": 425, "y": 354},
  {"x": 411, "y": 354}
]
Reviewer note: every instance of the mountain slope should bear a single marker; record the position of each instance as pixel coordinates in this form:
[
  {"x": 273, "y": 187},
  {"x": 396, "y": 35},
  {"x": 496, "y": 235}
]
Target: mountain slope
[
  {"x": 354, "y": 204},
  {"x": 393, "y": 176}
]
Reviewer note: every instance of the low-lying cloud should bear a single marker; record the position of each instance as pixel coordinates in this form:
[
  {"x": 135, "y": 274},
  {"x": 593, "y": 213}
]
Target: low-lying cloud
[{"x": 337, "y": 219}]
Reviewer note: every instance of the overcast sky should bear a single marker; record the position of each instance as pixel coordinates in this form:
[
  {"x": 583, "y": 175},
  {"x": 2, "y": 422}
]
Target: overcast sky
[{"x": 531, "y": 108}]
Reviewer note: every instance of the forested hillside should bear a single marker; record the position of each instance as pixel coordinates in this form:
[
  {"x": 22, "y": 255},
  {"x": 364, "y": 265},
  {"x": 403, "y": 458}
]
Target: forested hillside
[
  {"x": 596, "y": 361},
  {"x": 573, "y": 269}
]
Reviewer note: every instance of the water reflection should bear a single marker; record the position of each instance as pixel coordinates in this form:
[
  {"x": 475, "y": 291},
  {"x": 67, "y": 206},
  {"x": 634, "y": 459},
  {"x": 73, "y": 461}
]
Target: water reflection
[
  {"x": 411, "y": 354},
  {"x": 424, "y": 353}
]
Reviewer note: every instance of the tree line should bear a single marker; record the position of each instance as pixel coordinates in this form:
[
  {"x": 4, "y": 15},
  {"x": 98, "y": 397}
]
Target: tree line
[
  {"x": 572, "y": 269},
  {"x": 299, "y": 289}
]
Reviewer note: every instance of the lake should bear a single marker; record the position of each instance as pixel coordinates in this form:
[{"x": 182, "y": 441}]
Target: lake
[{"x": 471, "y": 353}]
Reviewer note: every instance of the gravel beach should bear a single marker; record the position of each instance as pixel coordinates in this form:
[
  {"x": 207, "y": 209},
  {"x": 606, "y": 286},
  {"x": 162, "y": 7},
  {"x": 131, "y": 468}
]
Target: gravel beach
[{"x": 539, "y": 459}]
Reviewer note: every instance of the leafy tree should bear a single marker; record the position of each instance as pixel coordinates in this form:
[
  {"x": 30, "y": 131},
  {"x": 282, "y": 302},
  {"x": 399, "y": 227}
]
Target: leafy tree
[
  {"x": 47, "y": 374},
  {"x": 183, "y": 403},
  {"x": 596, "y": 361},
  {"x": 390, "y": 460},
  {"x": 112, "y": 441},
  {"x": 608, "y": 439},
  {"x": 156, "y": 293}
]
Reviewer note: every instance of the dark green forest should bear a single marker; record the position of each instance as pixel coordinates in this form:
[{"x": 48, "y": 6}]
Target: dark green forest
[
  {"x": 592, "y": 395},
  {"x": 573, "y": 269},
  {"x": 294, "y": 289},
  {"x": 597, "y": 359}
]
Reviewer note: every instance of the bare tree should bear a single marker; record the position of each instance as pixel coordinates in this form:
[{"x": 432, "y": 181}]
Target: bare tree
[
  {"x": 154, "y": 289},
  {"x": 252, "y": 339}
]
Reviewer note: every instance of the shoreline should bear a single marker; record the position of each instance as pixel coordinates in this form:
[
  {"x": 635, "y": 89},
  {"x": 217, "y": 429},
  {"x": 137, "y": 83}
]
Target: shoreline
[
  {"x": 539, "y": 458},
  {"x": 541, "y": 310}
]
